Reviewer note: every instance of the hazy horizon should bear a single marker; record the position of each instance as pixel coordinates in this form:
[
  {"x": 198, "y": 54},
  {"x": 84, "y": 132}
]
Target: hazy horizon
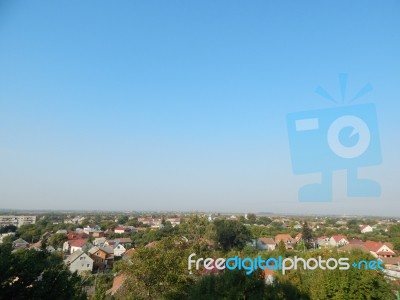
[{"x": 182, "y": 106}]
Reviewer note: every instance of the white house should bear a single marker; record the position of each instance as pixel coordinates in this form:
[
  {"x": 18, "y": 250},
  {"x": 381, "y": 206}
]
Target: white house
[
  {"x": 338, "y": 240},
  {"x": 366, "y": 228},
  {"x": 79, "y": 261},
  {"x": 265, "y": 244},
  {"x": 119, "y": 250}
]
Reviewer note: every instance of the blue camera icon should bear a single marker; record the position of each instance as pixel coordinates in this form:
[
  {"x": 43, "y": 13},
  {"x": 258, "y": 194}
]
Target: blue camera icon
[{"x": 342, "y": 138}]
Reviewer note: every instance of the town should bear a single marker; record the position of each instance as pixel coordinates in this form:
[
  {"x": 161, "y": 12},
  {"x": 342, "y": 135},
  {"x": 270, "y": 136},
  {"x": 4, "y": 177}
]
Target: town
[{"x": 104, "y": 250}]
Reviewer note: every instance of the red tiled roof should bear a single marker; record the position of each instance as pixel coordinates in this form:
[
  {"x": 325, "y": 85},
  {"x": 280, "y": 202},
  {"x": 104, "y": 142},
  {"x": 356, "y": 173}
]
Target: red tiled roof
[
  {"x": 283, "y": 237},
  {"x": 385, "y": 253},
  {"x": 129, "y": 252},
  {"x": 373, "y": 246},
  {"x": 339, "y": 237},
  {"x": 117, "y": 284},
  {"x": 355, "y": 242},
  {"x": 78, "y": 243}
]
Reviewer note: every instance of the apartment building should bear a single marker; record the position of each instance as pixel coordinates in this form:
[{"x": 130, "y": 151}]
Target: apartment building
[{"x": 17, "y": 220}]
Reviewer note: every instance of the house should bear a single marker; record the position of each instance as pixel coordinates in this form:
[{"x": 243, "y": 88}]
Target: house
[
  {"x": 287, "y": 240},
  {"x": 378, "y": 249},
  {"x": 391, "y": 262},
  {"x": 81, "y": 244},
  {"x": 90, "y": 230},
  {"x": 118, "y": 284},
  {"x": 99, "y": 241},
  {"x": 174, "y": 221},
  {"x": 355, "y": 242},
  {"x": 269, "y": 276},
  {"x": 103, "y": 257},
  {"x": 79, "y": 261},
  {"x": 74, "y": 235},
  {"x": 366, "y": 228},
  {"x": 128, "y": 254},
  {"x": 119, "y": 250},
  {"x": 126, "y": 242},
  {"x": 20, "y": 244},
  {"x": 338, "y": 240},
  {"x": 298, "y": 237},
  {"x": 151, "y": 221},
  {"x": 265, "y": 243},
  {"x": 323, "y": 242},
  {"x": 3, "y": 235},
  {"x": 121, "y": 229},
  {"x": 297, "y": 227}
]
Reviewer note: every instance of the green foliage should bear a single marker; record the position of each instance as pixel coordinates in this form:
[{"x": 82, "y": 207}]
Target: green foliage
[
  {"x": 281, "y": 248},
  {"x": 231, "y": 234},
  {"x": 57, "y": 240},
  {"x": 251, "y": 218},
  {"x": 194, "y": 228},
  {"x": 30, "y": 274},
  {"x": 8, "y": 228},
  {"x": 307, "y": 235},
  {"x": 339, "y": 284},
  {"x": 158, "y": 272},
  {"x": 228, "y": 285},
  {"x": 263, "y": 221}
]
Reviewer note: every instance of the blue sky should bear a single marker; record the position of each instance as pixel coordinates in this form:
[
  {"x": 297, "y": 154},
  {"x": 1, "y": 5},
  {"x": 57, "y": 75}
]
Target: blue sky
[{"x": 177, "y": 105}]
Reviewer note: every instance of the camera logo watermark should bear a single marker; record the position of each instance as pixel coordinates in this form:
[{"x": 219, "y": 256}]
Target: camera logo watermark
[
  {"x": 279, "y": 263},
  {"x": 339, "y": 138}
]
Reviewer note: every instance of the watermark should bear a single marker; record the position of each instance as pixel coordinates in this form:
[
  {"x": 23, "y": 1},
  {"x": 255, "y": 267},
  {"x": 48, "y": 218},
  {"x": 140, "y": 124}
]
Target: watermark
[
  {"x": 339, "y": 138},
  {"x": 283, "y": 264}
]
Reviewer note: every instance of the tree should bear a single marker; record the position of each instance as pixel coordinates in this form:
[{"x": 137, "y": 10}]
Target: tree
[
  {"x": 351, "y": 284},
  {"x": 263, "y": 221},
  {"x": 307, "y": 235},
  {"x": 31, "y": 274},
  {"x": 194, "y": 228},
  {"x": 251, "y": 218},
  {"x": 57, "y": 240},
  {"x": 281, "y": 248},
  {"x": 8, "y": 228},
  {"x": 158, "y": 272},
  {"x": 231, "y": 234},
  {"x": 230, "y": 284}
]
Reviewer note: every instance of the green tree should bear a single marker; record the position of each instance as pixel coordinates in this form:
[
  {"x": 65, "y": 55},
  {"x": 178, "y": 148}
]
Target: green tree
[
  {"x": 31, "y": 274},
  {"x": 57, "y": 240},
  {"x": 158, "y": 272},
  {"x": 281, "y": 248},
  {"x": 307, "y": 235},
  {"x": 251, "y": 218},
  {"x": 231, "y": 234},
  {"x": 229, "y": 284}
]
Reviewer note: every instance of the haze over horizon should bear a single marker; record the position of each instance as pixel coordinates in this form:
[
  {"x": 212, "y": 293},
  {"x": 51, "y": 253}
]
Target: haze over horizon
[{"x": 182, "y": 106}]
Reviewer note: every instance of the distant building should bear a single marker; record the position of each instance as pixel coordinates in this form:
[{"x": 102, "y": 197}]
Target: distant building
[
  {"x": 17, "y": 221},
  {"x": 286, "y": 239},
  {"x": 366, "y": 228},
  {"x": 338, "y": 240},
  {"x": 265, "y": 243}
]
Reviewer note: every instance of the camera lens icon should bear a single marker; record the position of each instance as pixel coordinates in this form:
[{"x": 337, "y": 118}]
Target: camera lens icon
[
  {"x": 342, "y": 133},
  {"x": 327, "y": 140}
]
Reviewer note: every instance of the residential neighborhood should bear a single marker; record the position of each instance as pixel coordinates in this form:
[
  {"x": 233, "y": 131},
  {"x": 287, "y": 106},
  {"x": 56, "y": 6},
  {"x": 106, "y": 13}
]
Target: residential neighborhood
[{"x": 96, "y": 245}]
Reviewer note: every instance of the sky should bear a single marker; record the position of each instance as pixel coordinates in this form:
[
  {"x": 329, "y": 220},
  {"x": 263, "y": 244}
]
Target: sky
[{"x": 182, "y": 105}]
